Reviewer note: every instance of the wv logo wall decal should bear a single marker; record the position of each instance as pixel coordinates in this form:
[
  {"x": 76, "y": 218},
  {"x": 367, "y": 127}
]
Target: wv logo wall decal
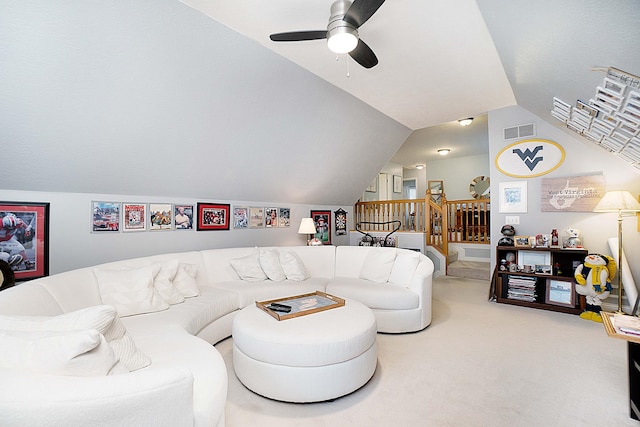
[{"x": 530, "y": 158}]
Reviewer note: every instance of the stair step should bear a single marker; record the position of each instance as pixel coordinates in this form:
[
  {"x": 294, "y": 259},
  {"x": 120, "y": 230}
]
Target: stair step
[{"x": 470, "y": 269}]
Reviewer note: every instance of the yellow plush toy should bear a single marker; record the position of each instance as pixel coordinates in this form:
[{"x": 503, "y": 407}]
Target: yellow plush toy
[{"x": 593, "y": 279}]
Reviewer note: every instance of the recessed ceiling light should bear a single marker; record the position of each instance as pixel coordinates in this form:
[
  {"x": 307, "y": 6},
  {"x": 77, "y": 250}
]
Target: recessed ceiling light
[
  {"x": 419, "y": 166},
  {"x": 465, "y": 122},
  {"x": 443, "y": 151}
]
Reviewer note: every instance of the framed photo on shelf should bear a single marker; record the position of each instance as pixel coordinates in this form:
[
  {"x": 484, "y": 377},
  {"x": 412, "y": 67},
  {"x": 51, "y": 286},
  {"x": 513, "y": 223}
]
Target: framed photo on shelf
[
  {"x": 271, "y": 217},
  {"x": 543, "y": 269},
  {"x": 522, "y": 241},
  {"x": 513, "y": 197},
  {"x": 213, "y": 216},
  {"x": 183, "y": 216},
  {"x": 105, "y": 217},
  {"x": 134, "y": 217},
  {"x": 25, "y": 246},
  {"x": 397, "y": 184},
  {"x": 256, "y": 217},
  {"x": 322, "y": 221},
  {"x": 240, "y": 217},
  {"x": 284, "y": 217},
  {"x": 560, "y": 292},
  {"x": 160, "y": 215}
]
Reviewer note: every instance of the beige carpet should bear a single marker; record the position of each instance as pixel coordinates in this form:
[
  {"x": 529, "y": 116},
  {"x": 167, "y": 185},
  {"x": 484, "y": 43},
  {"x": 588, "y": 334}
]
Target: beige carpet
[{"x": 478, "y": 364}]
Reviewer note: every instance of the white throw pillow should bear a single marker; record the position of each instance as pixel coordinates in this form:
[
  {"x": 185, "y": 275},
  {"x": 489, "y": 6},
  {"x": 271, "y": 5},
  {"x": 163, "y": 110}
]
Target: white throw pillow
[
  {"x": 270, "y": 263},
  {"x": 403, "y": 268},
  {"x": 102, "y": 318},
  {"x": 378, "y": 264},
  {"x": 130, "y": 291},
  {"x": 248, "y": 268},
  {"x": 163, "y": 282},
  {"x": 185, "y": 280},
  {"x": 293, "y": 267},
  {"x": 76, "y": 352}
]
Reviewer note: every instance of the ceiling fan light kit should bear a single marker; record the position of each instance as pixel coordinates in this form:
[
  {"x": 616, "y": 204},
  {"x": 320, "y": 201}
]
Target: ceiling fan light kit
[{"x": 342, "y": 31}]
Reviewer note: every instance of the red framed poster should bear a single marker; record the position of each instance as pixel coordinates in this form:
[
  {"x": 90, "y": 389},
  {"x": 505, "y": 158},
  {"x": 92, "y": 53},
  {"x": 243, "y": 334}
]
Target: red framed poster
[
  {"x": 213, "y": 216},
  {"x": 322, "y": 221},
  {"x": 24, "y": 238}
]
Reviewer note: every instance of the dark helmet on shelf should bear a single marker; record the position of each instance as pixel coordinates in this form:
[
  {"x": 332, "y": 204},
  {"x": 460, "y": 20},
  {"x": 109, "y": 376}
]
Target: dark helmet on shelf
[
  {"x": 508, "y": 230},
  {"x": 505, "y": 241}
]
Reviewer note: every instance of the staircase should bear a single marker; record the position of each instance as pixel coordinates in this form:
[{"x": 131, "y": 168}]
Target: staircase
[{"x": 480, "y": 270}]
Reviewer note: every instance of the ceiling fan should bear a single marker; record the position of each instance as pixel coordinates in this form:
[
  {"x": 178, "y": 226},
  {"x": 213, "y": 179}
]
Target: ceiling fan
[{"x": 342, "y": 30}]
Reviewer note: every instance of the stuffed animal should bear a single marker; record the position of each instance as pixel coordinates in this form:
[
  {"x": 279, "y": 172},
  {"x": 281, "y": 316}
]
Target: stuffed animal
[{"x": 593, "y": 280}]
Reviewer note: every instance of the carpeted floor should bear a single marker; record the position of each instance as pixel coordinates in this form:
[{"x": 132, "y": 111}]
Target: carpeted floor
[{"x": 478, "y": 364}]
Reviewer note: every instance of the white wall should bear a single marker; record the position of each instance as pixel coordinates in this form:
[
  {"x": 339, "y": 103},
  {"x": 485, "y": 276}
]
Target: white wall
[
  {"x": 582, "y": 158},
  {"x": 421, "y": 180},
  {"x": 72, "y": 245},
  {"x": 457, "y": 174}
]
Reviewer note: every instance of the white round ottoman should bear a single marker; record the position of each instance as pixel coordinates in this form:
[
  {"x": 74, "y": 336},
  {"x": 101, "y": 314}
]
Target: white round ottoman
[{"x": 312, "y": 358}]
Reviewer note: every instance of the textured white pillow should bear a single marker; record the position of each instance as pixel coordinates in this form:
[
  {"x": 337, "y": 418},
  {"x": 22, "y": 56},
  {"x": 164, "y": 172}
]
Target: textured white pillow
[
  {"x": 102, "y": 318},
  {"x": 403, "y": 267},
  {"x": 270, "y": 263},
  {"x": 130, "y": 291},
  {"x": 248, "y": 268},
  {"x": 378, "y": 264},
  {"x": 163, "y": 282},
  {"x": 293, "y": 267},
  {"x": 75, "y": 353},
  {"x": 185, "y": 280}
]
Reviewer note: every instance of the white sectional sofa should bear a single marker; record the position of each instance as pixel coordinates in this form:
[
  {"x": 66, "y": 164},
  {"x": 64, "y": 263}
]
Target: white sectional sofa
[{"x": 185, "y": 379}]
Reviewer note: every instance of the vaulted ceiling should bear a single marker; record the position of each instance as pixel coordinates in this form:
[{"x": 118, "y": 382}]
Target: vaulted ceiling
[{"x": 192, "y": 99}]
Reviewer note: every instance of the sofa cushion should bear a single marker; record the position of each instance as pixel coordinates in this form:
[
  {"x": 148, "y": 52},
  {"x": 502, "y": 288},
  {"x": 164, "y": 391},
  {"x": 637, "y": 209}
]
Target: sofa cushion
[
  {"x": 248, "y": 267},
  {"x": 293, "y": 266},
  {"x": 130, "y": 290},
  {"x": 163, "y": 282},
  {"x": 270, "y": 263},
  {"x": 381, "y": 296},
  {"x": 378, "y": 264},
  {"x": 103, "y": 318},
  {"x": 82, "y": 352},
  {"x": 403, "y": 267},
  {"x": 185, "y": 280},
  {"x": 248, "y": 293}
]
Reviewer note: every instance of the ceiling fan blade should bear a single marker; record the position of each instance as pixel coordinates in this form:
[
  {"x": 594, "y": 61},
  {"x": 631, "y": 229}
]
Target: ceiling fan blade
[
  {"x": 361, "y": 10},
  {"x": 363, "y": 55},
  {"x": 297, "y": 36}
]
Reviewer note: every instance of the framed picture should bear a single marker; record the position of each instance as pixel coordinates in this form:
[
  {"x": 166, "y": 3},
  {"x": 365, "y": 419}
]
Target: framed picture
[
  {"x": 134, "y": 217},
  {"x": 271, "y": 217},
  {"x": 183, "y": 216},
  {"x": 24, "y": 228},
  {"x": 322, "y": 220},
  {"x": 340, "y": 217},
  {"x": 513, "y": 197},
  {"x": 522, "y": 241},
  {"x": 284, "y": 217},
  {"x": 105, "y": 217},
  {"x": 373, "y": 187},
  {"x": 256, "y": 217},
  {"x": 160, "y": 216},
  {"x": 397, "y": 184},
  {"x": 240, "y": 217},
  {"x": 213, "y": 216},
  {"x": 543, "y": 269},
  {"x": 560, "y": 292}
]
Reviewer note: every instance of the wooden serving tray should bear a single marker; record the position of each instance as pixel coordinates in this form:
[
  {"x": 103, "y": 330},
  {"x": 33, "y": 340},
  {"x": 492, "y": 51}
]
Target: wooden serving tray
[
  {"x": 612, "y": 332},
  {"x": 302, "y": 305}
]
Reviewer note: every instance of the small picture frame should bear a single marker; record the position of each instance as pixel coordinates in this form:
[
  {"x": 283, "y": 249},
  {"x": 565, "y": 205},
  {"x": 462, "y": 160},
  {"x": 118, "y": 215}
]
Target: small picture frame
[
  {"x": 560, "y": 292},
  {"x": 543, "y": 269},
  {"x": 397, "y": 184},
  {"x": 373, "y": 187},
  {"x": 256, "y": 217},
  {"x": 105, "y": 217},
  {"x": 284, "y": 217},
  {"x": 160, "y": 216},
  {"x": 271, "y": 217},
  {"x": 522, "y": 241},
  {"x": 134, "y": 217},
  {"x": 513, "y": 197},
  {"x": 213, "y": 216},
  {"x": 183, "y": 216},
  {"x": 240, "y": 217}
]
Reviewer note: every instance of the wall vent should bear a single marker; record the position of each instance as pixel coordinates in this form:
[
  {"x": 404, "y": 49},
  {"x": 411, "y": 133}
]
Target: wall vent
[{"x": 522, "y": 131}]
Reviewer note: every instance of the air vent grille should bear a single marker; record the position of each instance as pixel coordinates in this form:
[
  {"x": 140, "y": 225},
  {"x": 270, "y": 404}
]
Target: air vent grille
[{"x": 522, "y": 131}]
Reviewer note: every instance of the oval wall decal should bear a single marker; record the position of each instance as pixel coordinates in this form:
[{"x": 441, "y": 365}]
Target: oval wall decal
[{"x": 530, "y": 158}]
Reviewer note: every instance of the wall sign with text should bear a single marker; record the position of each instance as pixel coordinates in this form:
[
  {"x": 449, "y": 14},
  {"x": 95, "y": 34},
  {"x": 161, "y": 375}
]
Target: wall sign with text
[{"x": 530, "y": 158}]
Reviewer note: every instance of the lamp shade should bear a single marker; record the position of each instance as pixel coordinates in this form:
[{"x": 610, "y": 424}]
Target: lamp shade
[
  {"x": 307, "y": 226},
  {"x": 617, "y": 201}
]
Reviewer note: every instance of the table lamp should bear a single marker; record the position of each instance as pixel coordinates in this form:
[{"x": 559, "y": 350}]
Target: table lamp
[
  {"x": 619, "y": 202},
  {"x": 307, "y": 226}
]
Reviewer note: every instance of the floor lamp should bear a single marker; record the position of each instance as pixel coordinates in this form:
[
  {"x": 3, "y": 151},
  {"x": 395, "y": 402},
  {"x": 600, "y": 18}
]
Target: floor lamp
[{"x": 619, "y": 202}]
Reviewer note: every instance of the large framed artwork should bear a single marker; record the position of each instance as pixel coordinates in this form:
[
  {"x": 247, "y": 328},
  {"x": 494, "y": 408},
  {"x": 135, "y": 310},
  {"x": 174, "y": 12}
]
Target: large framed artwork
[
  {"x": 322, "y": 219},
  {"x": 213, "y": 216},
  {"x": 106, "y": 217},
  {"x": 24, "y": 238},
  {"x": 134, "y": 217}
]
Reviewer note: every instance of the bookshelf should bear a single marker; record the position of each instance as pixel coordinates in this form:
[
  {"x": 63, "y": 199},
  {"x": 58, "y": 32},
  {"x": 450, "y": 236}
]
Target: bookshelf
[{"x": 539, "y": 278}]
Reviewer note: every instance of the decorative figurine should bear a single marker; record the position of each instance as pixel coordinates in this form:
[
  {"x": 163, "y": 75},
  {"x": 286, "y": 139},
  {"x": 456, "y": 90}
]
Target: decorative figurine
[{"x": 593, "y": 279}]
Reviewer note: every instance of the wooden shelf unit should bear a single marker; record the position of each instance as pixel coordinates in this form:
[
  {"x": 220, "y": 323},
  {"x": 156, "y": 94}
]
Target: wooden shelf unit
[{"x": 562, "y": 262}]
